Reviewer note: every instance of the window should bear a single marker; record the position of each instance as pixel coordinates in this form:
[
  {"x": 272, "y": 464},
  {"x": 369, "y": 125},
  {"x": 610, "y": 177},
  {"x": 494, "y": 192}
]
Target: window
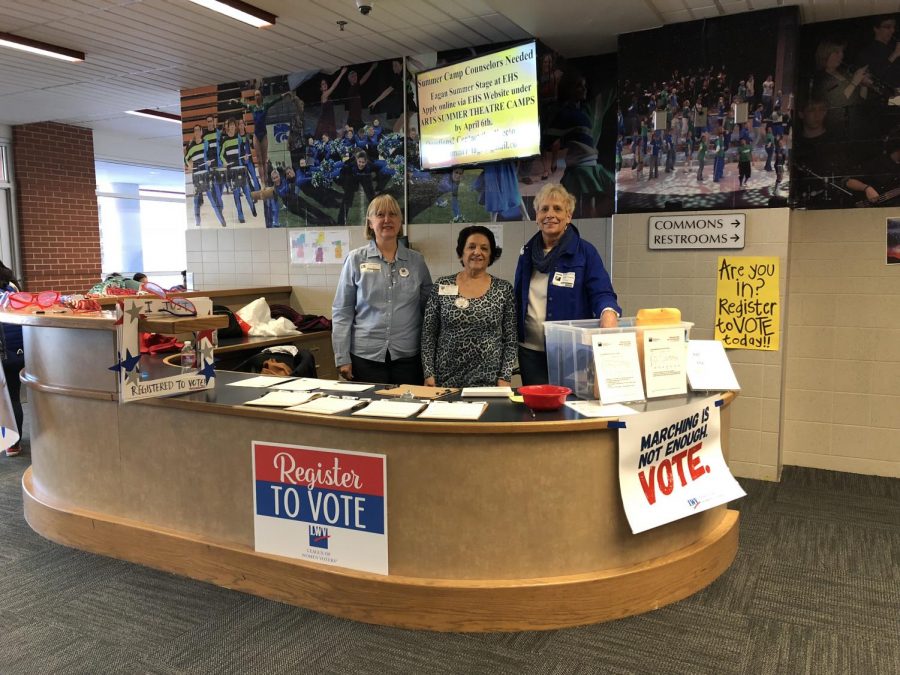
[{"x": 142, "y": 220}]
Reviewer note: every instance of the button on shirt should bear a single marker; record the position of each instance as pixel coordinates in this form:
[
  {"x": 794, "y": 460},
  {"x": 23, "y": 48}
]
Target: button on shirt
[{"x": 378, "y": 306}]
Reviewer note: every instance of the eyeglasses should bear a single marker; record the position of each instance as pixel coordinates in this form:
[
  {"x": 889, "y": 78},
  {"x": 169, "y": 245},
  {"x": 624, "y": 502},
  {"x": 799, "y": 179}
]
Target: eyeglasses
[
  {"x": 175, "y": 306},
  {"x": 23, "y": 299}
]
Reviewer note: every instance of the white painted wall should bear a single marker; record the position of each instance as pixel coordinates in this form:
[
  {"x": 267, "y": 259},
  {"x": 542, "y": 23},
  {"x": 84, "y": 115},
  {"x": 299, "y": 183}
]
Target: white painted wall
[{"x": 117, "y": 147}]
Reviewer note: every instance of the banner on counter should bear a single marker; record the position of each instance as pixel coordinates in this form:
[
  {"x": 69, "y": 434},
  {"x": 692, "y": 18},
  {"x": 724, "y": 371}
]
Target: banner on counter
[
  {"x": 321, "y": 505},
  {"x": 133, "y": 386},
  {"x": 671, "y": 465}
]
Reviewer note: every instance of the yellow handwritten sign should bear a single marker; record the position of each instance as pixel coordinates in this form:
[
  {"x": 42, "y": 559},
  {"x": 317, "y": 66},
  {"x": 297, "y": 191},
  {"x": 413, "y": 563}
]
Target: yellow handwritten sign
[{"x": 748, "y": 311}]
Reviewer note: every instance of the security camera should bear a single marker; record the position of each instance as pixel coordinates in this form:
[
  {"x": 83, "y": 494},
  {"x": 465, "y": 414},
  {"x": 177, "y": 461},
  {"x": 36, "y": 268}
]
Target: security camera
[{"x": 364, "y": 7}]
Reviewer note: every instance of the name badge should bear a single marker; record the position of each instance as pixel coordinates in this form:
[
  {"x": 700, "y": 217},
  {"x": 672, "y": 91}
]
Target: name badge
[
  {"x": 448, "y": 289},
  {"x": 565, "y": 279},
  {"x": 369, "y": 267}
]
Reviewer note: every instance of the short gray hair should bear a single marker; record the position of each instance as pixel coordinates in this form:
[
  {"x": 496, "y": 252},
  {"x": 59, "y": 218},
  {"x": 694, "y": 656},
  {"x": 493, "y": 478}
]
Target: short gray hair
[{"x": 554, "y": 190}]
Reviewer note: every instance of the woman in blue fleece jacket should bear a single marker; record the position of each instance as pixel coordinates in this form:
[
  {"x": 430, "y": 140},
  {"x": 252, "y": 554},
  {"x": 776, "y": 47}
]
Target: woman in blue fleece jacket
[{"x": 559, "y": 277}]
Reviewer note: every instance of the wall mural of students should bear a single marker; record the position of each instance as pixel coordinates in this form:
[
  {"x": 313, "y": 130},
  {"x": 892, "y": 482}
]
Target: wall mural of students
[
  {"x": 311, "y": 147},
  {"x": 291, "y": 146},
  {"x": 687, "y": 103},
  {"x": 848, "y": 138}
]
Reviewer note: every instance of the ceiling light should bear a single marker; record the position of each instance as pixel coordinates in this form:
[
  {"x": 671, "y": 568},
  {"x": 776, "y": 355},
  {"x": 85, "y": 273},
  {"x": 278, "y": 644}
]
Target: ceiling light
[
  {"x": 240, "y": 11},
  {"x": 156, "y": 115},
  {"x": 42, "y": 48}
]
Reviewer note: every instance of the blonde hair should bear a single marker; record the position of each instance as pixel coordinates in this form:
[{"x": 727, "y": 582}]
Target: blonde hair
[
  {"x": 381, "y": 202},
  {"x": 554, "y": 190}
]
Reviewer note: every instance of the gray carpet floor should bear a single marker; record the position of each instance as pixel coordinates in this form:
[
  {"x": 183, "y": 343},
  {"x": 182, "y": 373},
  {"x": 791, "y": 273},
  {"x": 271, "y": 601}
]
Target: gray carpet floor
[{"x": 815, "y": 588}]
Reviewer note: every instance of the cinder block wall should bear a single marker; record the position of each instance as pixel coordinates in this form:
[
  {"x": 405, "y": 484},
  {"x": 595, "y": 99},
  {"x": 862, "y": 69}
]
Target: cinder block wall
[
  {"x": 842, "y": 377},
  {"x": 687, "y": 279}
]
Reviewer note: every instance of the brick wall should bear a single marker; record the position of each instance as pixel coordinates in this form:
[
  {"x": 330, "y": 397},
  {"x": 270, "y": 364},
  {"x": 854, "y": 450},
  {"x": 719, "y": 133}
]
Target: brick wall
[{"x": 59, "y": 226}]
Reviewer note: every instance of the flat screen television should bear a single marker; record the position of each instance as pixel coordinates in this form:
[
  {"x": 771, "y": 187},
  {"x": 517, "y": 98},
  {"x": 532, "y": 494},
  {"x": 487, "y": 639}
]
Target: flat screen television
[{"x": 482, "y": 109}]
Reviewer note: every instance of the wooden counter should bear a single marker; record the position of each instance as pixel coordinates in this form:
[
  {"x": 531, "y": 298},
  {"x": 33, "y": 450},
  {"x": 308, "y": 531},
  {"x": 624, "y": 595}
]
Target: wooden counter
[
  {"x": 508, "y": 523},
  {"x": 230, "y": 353},
  {"x": 234, "y": 298}
]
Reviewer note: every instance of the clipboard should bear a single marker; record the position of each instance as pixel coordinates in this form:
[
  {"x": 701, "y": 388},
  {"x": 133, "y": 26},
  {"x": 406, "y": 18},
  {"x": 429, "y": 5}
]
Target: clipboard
[{"x": 418, "y": 391}]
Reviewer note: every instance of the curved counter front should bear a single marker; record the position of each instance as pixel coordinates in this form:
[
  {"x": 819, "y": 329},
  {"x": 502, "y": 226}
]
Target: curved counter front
[{"x": 507, "y": 523}]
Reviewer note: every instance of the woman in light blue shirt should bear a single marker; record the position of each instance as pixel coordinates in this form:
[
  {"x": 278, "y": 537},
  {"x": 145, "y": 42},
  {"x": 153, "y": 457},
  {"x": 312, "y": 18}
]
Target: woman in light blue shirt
[{"x": 379, "y": 303}]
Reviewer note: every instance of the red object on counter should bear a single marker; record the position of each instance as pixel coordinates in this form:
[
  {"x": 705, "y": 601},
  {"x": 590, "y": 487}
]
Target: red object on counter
[{"x": 544, "y": 396}]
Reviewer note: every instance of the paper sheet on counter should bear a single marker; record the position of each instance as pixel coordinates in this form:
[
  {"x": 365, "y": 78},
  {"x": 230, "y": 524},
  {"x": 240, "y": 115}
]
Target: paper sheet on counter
[
  {"x": 328, "y": 405},
  {"x": 282, "y": 399},
  {"x": 665, "y": 362},
  {"x": 595, "y": 409},
  {"x": 304, "y": 384},
  {"x": 618, "y": 368},
  {"x": 455, "y": 410},
  {"x": 393, "y": 409},
  {"x": 261, "y": 381},
  {"x": 486, "y": 392},
  {"x": 347, "y": 386},
  {"x": 708, "y": 367}
]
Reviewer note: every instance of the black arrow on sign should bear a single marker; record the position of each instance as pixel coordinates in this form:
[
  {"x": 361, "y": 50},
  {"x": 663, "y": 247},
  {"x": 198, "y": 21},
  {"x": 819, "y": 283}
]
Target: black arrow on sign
[
  {"x": 736, "y": 223},
  {"x": 735, "y": 237}
]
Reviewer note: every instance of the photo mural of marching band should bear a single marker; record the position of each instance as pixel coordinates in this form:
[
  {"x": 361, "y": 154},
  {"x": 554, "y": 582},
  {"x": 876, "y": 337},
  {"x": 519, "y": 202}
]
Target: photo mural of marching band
[
  {"x": 848, "y": 109},
  {"x": 706, "y": 112},
  {"x": 742, "y": 111},
  {"x": 308, "y": 148}
]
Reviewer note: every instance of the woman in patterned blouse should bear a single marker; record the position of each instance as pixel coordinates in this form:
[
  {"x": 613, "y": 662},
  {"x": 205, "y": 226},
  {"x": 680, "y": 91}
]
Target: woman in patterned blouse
[{"x": 469, "y": 331}]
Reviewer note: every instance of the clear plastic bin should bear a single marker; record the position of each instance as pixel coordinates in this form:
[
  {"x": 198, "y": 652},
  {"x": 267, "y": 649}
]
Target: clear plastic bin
[{"x": 570, "y": 357}]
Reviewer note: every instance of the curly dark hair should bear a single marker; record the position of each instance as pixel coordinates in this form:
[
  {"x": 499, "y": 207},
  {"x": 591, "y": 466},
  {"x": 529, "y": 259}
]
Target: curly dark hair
[{"x": 467, "y": 232}]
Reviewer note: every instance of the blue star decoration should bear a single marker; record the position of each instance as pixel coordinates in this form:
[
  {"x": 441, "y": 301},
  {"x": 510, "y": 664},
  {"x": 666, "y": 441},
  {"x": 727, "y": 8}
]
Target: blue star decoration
[
  {"x": 129, "y": 363},
  {"x": 208, "y": 371}
]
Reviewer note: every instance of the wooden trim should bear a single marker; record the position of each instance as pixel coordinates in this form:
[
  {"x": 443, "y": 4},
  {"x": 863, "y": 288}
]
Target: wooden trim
[
  {"x": 186, "y": 324},
  {"x": 406, "y": 602},
  {"x": 257, "y": 342},
  {"x": 212, "y": 294},
  {"x": 77, "y": 392},
  {"x": 233, "y": 292},
  {"x": 106, "y": 321}
]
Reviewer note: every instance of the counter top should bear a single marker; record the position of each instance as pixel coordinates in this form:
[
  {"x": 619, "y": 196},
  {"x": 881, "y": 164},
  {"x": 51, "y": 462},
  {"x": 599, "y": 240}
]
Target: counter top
[
  {"x": 501, "y": 416},
  {"x": 106, "y": 320},
  {"x": 58, "y": 318}
]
